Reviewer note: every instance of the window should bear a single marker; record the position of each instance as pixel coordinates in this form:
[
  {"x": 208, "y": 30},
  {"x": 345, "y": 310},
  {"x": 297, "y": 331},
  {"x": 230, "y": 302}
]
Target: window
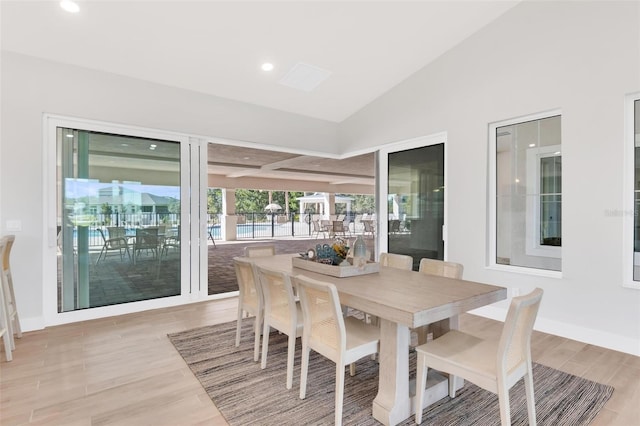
[
  {"x": 526, "y": 191},
  {"x": 631, "y": 211}
]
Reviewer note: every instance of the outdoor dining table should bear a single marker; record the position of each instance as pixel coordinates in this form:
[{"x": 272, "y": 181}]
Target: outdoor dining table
[{"x": 401, "y": 300}]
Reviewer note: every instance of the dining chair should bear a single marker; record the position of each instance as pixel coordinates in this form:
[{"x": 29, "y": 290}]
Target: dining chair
[
  {"x": 395, "y": 260},
  {"x": 117, "y": 241},
  {"x": 326, "y": 331},
  {"x": 250, "y": 300},
  {"x": 391, "y": 260},
  {"x": 282, "y": 312},
  {"x": 10, "y": 295},
  {"x": 494, "y": 365},
  {"x": 443, "y": 269},
  {"x": 6, "y": 330},
  {"x": 260, "y": 250}
]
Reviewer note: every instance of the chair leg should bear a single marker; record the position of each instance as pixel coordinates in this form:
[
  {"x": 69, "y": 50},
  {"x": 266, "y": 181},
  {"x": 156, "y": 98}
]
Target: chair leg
[
  {"x": 339, "y": 392},
  {"x": 421, "y": 383},
  {"x": 352, "y": 369},
  {"x": 531, "y": 401},
  {"x": 291, "y": 359},
  {"x": 265, "y": 343},
  {"x": 256, "y": 337},
  {"x": 238, "y": 323},
  {"x": 304, "y": 369},
  {"x": 503, "y": 398}
]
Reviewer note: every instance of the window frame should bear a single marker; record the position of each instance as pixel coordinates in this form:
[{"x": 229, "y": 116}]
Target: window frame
[
  {"x": 628, "y": 212},
  {"x": 492, "y": 235}
]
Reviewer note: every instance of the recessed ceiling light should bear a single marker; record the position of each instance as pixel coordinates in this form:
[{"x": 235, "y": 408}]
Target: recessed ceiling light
[
  {"x": 70, "y": 6},
  {"x": 69, "y": 135},
  {"x": 267, "y": 66},
  {"x": 531, "y": 145},
  {"x": 152, "y": 146},
  {"x": 246, "y": 158}
]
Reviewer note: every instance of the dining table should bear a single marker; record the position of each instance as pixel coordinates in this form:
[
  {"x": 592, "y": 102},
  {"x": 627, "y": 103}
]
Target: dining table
[{"x": 401, "y": 300}]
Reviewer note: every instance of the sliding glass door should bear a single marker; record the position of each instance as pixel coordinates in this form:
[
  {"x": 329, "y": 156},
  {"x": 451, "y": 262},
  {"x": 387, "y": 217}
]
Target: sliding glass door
[
  {"x": 121, "y": 230},
  {"x": 412, "y": 181}
]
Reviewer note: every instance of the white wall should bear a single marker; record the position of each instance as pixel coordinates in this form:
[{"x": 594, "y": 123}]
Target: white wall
[
  {"x": 581, "y": 57},
  {"x": 31, "y": 87},
  {"x": 577, "y": 56}
]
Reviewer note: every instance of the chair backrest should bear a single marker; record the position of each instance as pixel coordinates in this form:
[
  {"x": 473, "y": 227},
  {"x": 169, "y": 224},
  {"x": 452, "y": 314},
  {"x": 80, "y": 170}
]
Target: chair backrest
[
  {"x": 259, "y": 251},
  {"x": 398, "y": 261},
  {"x": 323, "y": 323},
  {"x": 146, "y": 238},
  {"x": 279, "y": 301},
  {"x": 515, "y": 342},
  {"x": 338, "y": 226},
  {"x": 316, "y": 226},
  {"x": 101, "y": 232},
  {"x": 116, "y": 232},
  {"x": 368, "y": 225},
  {"x": 6, "y": 254},
  {"x": 441, "y": 268},
  {"x": 250, "y": 291}
]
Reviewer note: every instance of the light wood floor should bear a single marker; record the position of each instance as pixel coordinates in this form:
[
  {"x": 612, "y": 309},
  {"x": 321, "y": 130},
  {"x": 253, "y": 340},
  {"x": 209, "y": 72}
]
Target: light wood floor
[{"x": 123, "y": 370}]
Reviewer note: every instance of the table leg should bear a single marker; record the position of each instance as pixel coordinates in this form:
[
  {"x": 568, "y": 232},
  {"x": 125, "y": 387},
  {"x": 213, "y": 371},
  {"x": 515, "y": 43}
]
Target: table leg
[{"x": 393, "y": 403}]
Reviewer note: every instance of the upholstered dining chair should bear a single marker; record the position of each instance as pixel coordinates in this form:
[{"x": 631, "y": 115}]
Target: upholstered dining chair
[
  {"x": 494, "y": 365},
  {"x": 10, "y": 295},
  {"x": 282, "y": 312},
  {"x": 260, "y": 250},
  {"x": 250, "y": 300},
  {"x": 326, "y": 331}
]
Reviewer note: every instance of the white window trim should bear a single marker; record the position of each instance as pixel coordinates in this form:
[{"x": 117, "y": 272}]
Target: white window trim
[
  {"x": 533, "y": 246},
  {"x": 51, "y": 316},
  {"x": 383, "y": 184},
  {"x": 491, "y": 201},
  {"x": 628, "y": 211}
]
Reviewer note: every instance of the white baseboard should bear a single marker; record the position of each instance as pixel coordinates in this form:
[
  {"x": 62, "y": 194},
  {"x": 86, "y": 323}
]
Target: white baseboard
[
  {"x": 569, "y": 331},
  {"x": 32, "y": 324}
]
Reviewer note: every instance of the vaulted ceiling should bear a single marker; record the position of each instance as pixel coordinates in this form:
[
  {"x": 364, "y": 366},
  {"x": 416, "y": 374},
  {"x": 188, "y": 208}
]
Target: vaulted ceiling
[{"x": 361, "y": 48}]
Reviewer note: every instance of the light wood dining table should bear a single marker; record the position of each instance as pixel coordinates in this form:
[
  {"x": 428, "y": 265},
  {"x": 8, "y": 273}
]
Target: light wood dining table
[{"x": 401, "y": 300}]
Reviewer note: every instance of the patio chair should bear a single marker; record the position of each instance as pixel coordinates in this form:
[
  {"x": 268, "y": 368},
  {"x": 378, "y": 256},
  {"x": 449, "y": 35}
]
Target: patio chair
[
  {"x": 492, "y": 365},
  {"x": 117, "y": 241},
  {"x": 338, "y": 229},
  {"x": 369, "y": 228},
  {"x": 317, "y": 229},
  {"x": 146, "y": 239}
]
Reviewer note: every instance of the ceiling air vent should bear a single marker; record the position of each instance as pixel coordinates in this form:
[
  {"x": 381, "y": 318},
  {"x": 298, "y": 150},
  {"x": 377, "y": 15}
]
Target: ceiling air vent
[{"x": 304, "y": 77}]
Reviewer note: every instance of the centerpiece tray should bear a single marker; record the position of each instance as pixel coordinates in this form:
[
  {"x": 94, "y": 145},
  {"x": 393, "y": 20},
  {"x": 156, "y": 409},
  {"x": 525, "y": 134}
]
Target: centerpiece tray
[{"x": 335, "y": 270}]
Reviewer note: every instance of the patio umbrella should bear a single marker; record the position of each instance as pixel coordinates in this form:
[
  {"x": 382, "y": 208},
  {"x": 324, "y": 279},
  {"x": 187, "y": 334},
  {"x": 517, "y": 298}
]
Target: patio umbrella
[{"x": 272, "y": 207}]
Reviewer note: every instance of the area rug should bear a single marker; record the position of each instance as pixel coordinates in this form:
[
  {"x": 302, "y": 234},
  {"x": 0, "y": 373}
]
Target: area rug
[{"x": 248, "y": 395}]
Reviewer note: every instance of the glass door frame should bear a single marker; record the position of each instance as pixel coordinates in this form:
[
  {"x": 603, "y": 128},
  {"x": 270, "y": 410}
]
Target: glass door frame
[
  {"x": 191, "y": 172},
  {"x": 382, "y": 177}
]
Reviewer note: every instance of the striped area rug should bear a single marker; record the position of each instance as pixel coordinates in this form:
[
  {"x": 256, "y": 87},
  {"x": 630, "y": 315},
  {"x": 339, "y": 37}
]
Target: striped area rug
[{"x": 248, "y": 395}]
